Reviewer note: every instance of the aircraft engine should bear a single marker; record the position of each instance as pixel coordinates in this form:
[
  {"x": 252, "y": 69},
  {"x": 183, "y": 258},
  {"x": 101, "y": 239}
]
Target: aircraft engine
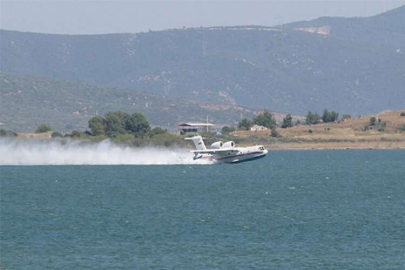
[
  {"x": 229, "y": 144},
  {"x": 216, "y": 145}
]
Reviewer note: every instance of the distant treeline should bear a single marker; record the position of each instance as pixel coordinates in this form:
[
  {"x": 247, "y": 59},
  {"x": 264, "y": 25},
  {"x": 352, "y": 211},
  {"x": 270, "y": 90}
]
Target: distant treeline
[
  {"x": 267, "y": 120},
  {"x": 121, "y": 126}
]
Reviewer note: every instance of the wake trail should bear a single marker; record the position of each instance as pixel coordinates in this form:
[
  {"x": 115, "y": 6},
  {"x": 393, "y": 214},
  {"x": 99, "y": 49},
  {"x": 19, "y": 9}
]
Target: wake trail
[{"x": 35, "y": 152}]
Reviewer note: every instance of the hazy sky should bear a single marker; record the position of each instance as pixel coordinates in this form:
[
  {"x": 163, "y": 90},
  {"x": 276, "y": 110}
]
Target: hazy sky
[{"x": 96, "y": 17}]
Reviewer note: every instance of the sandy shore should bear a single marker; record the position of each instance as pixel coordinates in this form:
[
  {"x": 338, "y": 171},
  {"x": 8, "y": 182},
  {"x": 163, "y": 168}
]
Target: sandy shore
[{"x": 336, "y": 145}]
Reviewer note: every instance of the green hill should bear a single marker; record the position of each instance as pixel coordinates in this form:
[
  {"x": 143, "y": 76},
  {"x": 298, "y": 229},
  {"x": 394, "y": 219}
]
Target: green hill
[
  {"x": 28, "y": 101},
  {"x": 350, "y": 65}
]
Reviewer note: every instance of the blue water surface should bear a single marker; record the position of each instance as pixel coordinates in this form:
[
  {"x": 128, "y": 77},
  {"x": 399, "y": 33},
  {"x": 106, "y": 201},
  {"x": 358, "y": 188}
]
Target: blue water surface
[{"x": 290, "y": 210}]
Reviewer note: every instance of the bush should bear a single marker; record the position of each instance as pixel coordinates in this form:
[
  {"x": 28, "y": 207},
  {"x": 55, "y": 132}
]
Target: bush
[
  {"x": 310, "y": 131},
  {"x": 245, "y": 124},
  {"x": 312, "y": 118},
  {"x": 346, "y": 116},
  {"x": 265, "y": 119},
  {"x": 75, "y": 134},
  {"x": 56, "y": 134},
  {"x": 373, "y": 120},
  {"x": 227, "y": 130},
  {"x": 329, "y": 116},
  {"x": 287, "y": 121},
  {"x": 7, "y": 133},
  {"x": 402, "y": 114},
  {"x": 157, "y": 131},
  {"x": 123, "y": 137},
  {"x": 117, "y": 123},
  {"x": 382, "y": 126},
  {"x": 274, "y": 133},
  {"x": 43, "y": 128},
  {"x": 97, "y": 125},
  {"x": 366, "y": 127}
]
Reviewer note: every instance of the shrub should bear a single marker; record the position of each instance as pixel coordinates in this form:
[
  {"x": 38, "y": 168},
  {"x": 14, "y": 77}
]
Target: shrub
[
  {"x": 123, "y": 137},
  {"x": 274, "y": 133},
  {"x": 373, "y": 121},
  {"x": 346, "y": 116},
  {"x": 97, "y": 125},
  {"x": 43, "y": 128},
  {"x": 226, "y": 129},
  {"x": 156, "y": 131},
  {"x": 312, "y": 118},
  {"x": 245, "y": 124},
  {"x": 329, "y": 116},
  {"x": 7, "y": 133},
  {"x": 382, "y": 126},
  {"x": 366, "y": 127},
  {"x": 402, "y": 114},
  {"x": 287, "y": 121},
  {"x": 56, "y": 134},
  {"x": 75, "y": 134},
  {"x": 310, "y": 131},
  {"x": 265, "y": 119},
  {"x": 167, "y": 140}
]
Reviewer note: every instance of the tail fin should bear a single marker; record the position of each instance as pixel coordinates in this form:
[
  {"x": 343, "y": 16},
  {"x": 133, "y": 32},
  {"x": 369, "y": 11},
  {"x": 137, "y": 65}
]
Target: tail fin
[{"x": 198, "y": 142}]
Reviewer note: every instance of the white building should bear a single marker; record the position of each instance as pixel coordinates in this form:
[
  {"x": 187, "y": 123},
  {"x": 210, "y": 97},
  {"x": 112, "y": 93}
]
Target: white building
[
  {"x": 194, "y": 127},
  {"x": 258, "y": 128}
]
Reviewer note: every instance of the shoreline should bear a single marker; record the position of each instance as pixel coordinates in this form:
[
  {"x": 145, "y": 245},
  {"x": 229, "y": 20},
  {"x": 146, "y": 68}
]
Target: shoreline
[{"x": 372, "y": 145}]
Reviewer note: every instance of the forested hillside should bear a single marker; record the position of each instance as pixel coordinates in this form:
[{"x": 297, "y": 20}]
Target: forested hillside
[
  {"x": 28, "y": 101},
  {"x": 350, "y": 65}
]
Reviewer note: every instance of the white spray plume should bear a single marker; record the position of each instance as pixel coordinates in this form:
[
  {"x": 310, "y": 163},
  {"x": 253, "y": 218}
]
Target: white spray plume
[{"x": 37, "y": 152}]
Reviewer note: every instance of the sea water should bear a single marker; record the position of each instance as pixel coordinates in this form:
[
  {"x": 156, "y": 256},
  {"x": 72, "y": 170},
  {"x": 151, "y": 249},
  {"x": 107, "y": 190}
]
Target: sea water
[{"x": 290, "y": 210}]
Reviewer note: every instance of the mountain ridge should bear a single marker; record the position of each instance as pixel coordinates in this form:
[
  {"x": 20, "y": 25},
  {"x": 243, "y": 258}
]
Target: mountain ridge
[{"x": 355, "y": 69}]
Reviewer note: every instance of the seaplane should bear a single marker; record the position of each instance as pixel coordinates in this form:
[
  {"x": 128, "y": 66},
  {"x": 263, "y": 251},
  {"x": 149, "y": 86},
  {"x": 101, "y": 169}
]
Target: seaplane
[{"x": 226, "y": 152}]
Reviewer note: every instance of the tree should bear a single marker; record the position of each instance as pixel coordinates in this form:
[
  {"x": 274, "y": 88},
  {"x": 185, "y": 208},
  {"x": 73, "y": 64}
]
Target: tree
[
  {"x": 329, "y": 116},
  {"x": 137, "y": 124},
  {"x": 265, "y": 119},
  {"x": 274, "y": 133},
  {"x": 287, "y": 121},
  {"x": 97, "y": 125},
  {"x": 334, "y": 116},
  {"x": 245, "y": 124},
  {"x": 115, "y": 123},
  {"x": 56, "y": 134},
  {"x": 156, "y": 131},
  {"x": 312, "y": 118},
  {"x": 373, "y": 120},
  {"x": 326, "y": 116},
  {"x": 43, "y": 128},
  {"x": 226, "y": 129},
  {"x": 346, "y": 116},
  {"x": 75, "y": 134},
  {"x": 7, "y": 133}
]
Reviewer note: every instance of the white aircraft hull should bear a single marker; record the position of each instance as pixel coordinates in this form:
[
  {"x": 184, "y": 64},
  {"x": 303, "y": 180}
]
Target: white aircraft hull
[
  {"x": 226, "y": 152},
  {"x": 242, "y": 157}
]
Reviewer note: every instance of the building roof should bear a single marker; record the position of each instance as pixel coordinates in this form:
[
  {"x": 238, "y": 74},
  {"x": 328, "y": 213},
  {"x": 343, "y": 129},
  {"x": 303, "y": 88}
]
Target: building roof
[{"x": 196, "y": 125}]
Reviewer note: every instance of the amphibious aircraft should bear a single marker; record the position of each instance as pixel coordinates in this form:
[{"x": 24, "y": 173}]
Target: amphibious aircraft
[{"x": 226, "y": 152}]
